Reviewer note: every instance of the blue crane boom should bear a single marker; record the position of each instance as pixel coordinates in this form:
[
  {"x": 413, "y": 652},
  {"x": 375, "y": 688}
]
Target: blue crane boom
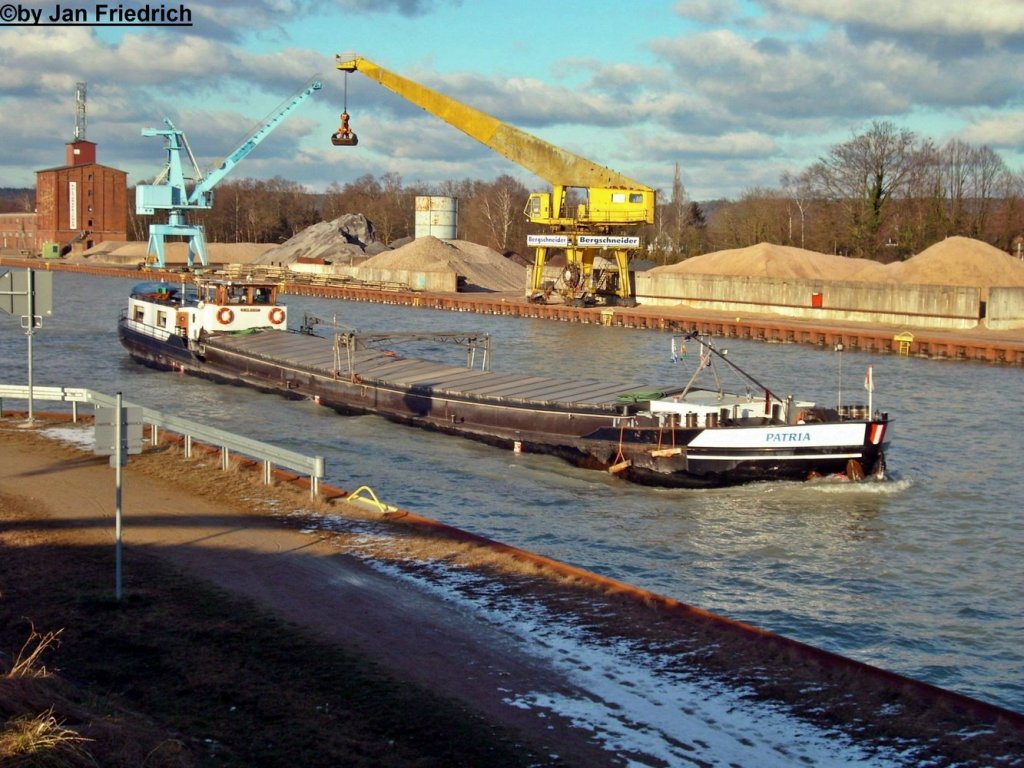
[{"x": 170, "y": 192}]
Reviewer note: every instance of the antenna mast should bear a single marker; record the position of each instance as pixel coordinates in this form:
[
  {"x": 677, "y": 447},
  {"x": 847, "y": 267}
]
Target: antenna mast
[{"x": 79, "y": 111}]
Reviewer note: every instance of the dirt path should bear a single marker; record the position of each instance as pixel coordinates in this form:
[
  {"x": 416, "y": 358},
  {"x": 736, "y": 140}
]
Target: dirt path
[{"x": 302, "y": 577}]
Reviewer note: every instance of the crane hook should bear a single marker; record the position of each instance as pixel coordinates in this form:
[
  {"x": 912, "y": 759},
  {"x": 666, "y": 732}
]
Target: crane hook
[{"x": 344, "y": 136}]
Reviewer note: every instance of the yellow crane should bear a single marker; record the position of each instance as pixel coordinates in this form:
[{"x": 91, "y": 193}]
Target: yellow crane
[{"x": 612, "y": 210}]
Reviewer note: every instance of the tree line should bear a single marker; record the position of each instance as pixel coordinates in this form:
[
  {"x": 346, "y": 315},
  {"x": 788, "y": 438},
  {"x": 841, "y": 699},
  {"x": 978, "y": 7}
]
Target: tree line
[
  {"x": 275, "y": 210},
  {"x": 885, "y": 194}
]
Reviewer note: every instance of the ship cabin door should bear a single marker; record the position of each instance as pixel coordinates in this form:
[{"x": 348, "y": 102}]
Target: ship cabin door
[{"x": 181, "y": 324}]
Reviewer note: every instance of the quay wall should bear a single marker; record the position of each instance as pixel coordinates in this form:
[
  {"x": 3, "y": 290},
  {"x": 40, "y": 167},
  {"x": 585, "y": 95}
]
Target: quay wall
[
  {"x": 922, "y": 306},
  {"x": 1005, "y": 309},
  {"x": 438, "y": 280}
]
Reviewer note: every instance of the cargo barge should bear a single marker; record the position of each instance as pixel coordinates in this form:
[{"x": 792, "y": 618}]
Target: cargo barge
[{"x": 642, "y": 431}]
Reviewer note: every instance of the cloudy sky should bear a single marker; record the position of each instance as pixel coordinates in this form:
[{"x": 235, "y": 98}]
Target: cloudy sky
[{"x": 734, "y": 91}]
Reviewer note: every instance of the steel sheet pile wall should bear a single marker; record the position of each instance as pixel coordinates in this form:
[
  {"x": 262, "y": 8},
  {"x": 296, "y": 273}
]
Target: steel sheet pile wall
[{"x": 925, "y": 306}]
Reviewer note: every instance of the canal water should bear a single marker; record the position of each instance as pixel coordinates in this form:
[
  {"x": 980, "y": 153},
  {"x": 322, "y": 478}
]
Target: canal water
[{"x": 922, "y": 575}]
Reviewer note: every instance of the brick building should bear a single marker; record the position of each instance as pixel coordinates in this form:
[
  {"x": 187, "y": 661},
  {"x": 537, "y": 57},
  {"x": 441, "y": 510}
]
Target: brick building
[
  {"x": 18, "y": 233},
  {"x": 82, "y": 203}
]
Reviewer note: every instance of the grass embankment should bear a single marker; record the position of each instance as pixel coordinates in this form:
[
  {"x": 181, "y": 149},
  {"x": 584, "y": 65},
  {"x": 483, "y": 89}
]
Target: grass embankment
[{"x": 179, "y": 673}]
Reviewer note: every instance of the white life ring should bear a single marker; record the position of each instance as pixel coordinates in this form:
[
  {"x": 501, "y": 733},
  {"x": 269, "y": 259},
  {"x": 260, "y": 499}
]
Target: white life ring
[
  {"x": 225, "y": 316},
  {"x": 277, "y": 316}
]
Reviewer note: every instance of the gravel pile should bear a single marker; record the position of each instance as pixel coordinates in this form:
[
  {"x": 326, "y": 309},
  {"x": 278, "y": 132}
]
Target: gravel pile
[
  {"x": 960, "y": 261},
  {"x": 483, "y": 268},
  {"x": 345, "y": 240},
  {"x": 350, "y": 240},
  {"x": 953, "y": 261},
  {"x": 767, "y": 260},
  {"x": 117, "y": 252}
]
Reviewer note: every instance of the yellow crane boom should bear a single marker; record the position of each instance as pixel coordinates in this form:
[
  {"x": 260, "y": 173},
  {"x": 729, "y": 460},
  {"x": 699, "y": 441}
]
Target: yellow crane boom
[{"x": 614, "y": 202}]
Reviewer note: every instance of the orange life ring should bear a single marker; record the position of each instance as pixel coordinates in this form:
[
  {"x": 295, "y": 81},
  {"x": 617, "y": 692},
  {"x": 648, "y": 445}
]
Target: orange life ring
[
  {"x": 225, "y": 315},
  {"x": 277, "y": 315}
]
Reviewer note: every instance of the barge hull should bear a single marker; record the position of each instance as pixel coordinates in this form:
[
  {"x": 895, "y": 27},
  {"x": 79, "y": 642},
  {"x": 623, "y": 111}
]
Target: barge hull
[{"x": 586, "y": 424}]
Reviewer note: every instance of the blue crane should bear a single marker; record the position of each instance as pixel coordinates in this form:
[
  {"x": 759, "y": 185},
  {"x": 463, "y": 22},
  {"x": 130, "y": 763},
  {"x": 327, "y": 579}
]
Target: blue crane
[{"x": 169, "y": 191}]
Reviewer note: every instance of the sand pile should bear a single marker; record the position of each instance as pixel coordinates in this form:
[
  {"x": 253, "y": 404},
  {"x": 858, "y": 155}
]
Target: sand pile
[
  {"x": 960, "y": 261},
  {"x": 484, "y": 268},
  {"x": 117, "y": 252},
  {"x": 105, "y": 249},
  {"x": 954, "y": 261},
  {"x": 767, "y": 260}
]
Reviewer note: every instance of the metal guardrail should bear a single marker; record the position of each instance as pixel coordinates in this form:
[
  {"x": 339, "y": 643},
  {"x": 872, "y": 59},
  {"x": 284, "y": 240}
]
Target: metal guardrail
[{"x": 228, "y": 442}]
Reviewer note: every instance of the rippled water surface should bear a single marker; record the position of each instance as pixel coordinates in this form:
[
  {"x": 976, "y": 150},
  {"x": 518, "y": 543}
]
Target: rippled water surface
[{"x": 923, "y": 574}]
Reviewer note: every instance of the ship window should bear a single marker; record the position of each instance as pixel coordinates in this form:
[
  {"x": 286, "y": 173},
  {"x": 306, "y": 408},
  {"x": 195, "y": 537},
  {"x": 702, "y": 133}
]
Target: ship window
[
  {"x": 140, "y": 313},
  {"x": 618, "y": 197},
  {"x": 161, "y": 319},
  {"x": 636, "y": 197}
]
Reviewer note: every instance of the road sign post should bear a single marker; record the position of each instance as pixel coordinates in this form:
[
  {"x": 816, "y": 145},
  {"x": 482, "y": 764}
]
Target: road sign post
[
  {"x": 117, "y": 433},
  {"x": 30, "y": 295}
]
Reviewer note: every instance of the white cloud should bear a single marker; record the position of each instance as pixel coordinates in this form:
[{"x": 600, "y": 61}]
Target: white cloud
[
  {"x": 989, "y": 18},
  {"x": 708, "y": 11},
  {"x": 1002, "y": 131}
]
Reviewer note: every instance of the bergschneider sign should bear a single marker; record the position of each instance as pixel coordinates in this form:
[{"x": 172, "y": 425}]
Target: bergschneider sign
[{"x": 582, "y": 241}]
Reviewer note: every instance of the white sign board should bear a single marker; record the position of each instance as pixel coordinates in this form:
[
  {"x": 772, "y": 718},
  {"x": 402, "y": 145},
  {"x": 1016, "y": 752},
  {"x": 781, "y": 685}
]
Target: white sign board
[
  {"x": 607, "y": 241},
  {"x": 72, "y": 205},
  {"x": 547, "y": 241},
  {"x": 582, "y": 241}
]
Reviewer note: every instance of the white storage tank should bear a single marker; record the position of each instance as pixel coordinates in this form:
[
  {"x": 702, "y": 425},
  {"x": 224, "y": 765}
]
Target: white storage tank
[{"x": 437, "y": 216}]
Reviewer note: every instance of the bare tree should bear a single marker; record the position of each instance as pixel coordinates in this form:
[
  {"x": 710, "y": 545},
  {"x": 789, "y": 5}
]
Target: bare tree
[
  {"x": 502, "y": 203},
  {"x": 956, "y": 159},
  {"x": 800, "y": 189},
  {"x": 678, "y": 212},
  {"x": 988, "y": 178},
  {"x": 758, "y": 217},
  {"x": 864, "y": 175}
]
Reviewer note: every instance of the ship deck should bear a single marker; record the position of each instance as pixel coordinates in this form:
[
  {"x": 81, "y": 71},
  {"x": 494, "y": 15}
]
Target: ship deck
[{"x": 316, "y": 354}]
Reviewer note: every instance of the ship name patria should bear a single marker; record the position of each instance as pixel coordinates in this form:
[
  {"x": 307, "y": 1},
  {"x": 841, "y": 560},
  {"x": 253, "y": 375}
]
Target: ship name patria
[{"x": 788, "y": 437}]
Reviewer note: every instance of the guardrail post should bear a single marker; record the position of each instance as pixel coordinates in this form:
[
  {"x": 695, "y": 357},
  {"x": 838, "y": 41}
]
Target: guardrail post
[
  {"x": 314, "y": 479},
  {"x": 266, "y": 471},
  {"x": 188, "y": 446},
  {"x": 225, "y": 458}
]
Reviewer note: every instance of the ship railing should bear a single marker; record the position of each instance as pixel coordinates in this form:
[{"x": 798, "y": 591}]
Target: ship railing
[
  {"x": 229, "y": 443},
  {"x": 144, "y": 328}
]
